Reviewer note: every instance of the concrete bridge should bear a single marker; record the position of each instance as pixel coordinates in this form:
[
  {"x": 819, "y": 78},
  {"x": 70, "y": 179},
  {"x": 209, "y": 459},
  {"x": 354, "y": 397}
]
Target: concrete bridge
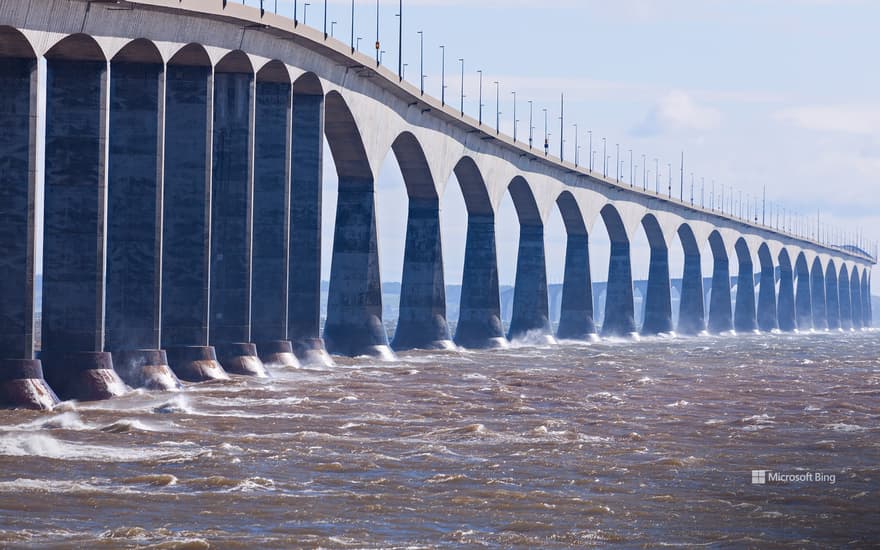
[{"x": 180, "y": 199}]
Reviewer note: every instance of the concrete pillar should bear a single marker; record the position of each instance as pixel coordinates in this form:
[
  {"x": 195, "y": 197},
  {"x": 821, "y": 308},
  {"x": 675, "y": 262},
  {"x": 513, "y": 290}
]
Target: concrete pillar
[
  {"x": 619, "y": 309},
  {"x": 576, "y": 317},
  {"x": 134, "y": 225},
  {"x": 530, "y": 301},
  {"x": 21, "y": 376},
  {"x": 354, "y": 309},
  {"x": 658, "y": 301},
  {"x": 817, "y": 282},
  {"x": 74, "y": 234},
  {"x": 720, "y": 311},
  {"x": 479, "y": 321},
  {"x": 691, "y": 313},
  {"x": 767, "y": 317},
  {"x": 832, "y": 299},
  {"x": 304, "y": 303},
  {"x": 856, "y": 300},
  {"x": 867, "y": 321},
  {"x": 845, "y": 296},
  {"x": 271, "y": 225},
  {"x": 803, "y": 301},
  {"x": 186, "y": 223},
  {"x": 745, "y": 319},
  {"x": 422, "y": 320},
  {"x": 232, "y": 223},
  {"x": 785, "y": 307}
]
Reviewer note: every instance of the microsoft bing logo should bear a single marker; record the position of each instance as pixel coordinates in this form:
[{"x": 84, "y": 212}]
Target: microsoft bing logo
[{"x": 759, "y": 477}]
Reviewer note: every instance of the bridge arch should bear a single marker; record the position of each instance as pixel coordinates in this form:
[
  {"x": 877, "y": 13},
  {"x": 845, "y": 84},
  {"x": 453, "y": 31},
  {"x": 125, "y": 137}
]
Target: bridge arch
[
  {"x": 692, "y": 314},
  {"x": 745, "y": 312},
  {"x": 767, "y": 316},
  {"x": 191, "y": 55},
  {"x": 619, "y": 317},
  {"x": 576, "y": 316},
  {"x": 720, "y": 305},
  {"x": 77, "y": 47},
  {"x": 803, "y": 298},
  {"x": 657, "y": 304},
  {"x": 832, "y": 296},
  {"x": 479, "y": 321},
  {"x": 354, "y": 311},
  {"x": 14, "y": 44},
  {"x": 422, "y": 321},
  {"x": 140, "y": 50},
  {"x": 530, "y": 300}
]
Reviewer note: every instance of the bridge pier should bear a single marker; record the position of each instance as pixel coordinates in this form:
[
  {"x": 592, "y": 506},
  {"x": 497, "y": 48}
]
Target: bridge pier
[
  {"x": 745, "y": 314},
  {"x": 619, "y": 309},
  {"x": 786, "y": 308},
  {"x": 867, "y": 320},
  {"x": 845, "y": 297},
  {"x": 720, "y": 310},
  {"x": 422, "y": 320},
  {"x": 21, "y": 376},
  {"x": 134, "y": 233},
  {"x": 768, "y": 318},
  {"x": 576, "y": 316},
  {"x": 74, "y": 235},
  {"x": 479, "y": 321},
  {"x": 855, "y": 289},
  {"x": 271, "y": 227},
  {"x": 691, "y": 313},
  {"x": 832, "y": 298},
  {"x": 530, "y": 305},
  {"x": 803, "y": 299},
  {"x": 186, "y": 220},
  {"x": 819, "y": 302},
  {"x": 307, "y": 162},
  {"x": 658, "y": 301},
  {"x": 232, "y": 219}
]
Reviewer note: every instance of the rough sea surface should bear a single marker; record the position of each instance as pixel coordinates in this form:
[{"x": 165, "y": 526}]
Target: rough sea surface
[{"x": 621, "y": 443}]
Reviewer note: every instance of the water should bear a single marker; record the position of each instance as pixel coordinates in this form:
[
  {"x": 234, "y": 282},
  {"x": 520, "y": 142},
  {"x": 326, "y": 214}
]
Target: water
[{"x": 615, "y": 443}]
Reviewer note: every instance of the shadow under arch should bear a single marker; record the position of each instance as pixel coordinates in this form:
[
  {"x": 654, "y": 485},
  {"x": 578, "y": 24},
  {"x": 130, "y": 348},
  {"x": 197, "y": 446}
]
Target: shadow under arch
[
  {"x": 819, "y": 301},
  {"x": 720, "y": 310},
  {"x": 422, "y": 321},
  {"x": 845, "y": 298},
  {"x": 768, "y": 318},
  {"x": 692, "y": 313},
  {"x": 479, "y": 322},
  {"x": 658, "y": 300},
  {"x": 745, "y": 312},
  {"x": 18, "y": 151},
  {"x": 354, "y": 310},
  {"x": 272, "y": 262},
  {"x": 785, "y": 308},
  {"x": 832, "y": 296},
  {"x": 855, "y": 283},
  {"x": 134, "y": 244},
  {"x": 576, "y": 310},
  {"x": 530, "y": 299},
  {"x": 803, "y": 298},
  {"x": 307, "y": 173},
  {"x": 619, "y": 308}
]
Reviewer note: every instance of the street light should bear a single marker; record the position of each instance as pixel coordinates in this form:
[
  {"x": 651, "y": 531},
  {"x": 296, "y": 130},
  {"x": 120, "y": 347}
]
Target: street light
[
  {"x": 443, "y": 77},
  {"x": 421, "y": 61},
  {"x": 497, "y": 107},
  {"x": 295, "y": 20},
  {"x": 630, "y": 151},
  {"x": 644, "y": 172},
  {"x": 605, "y": 158},
  {"x": 462, "y": 85},
  {"x": 546, "y": 135},
  {"x": 306, "y": 13},
  {"x": 325, "y": 19},
  {"x": 400, "y": 43},
  {"x": 378, "y": 48},
  {"x": 359, "y": 38},
  {"x": 515, "y": 121},
  {"x": 590, "y": 132},
  {"x": 531, "y": 125},
  {"x": 480, "y": 120},
  {"x": 332, "y": 28},
  {"x": 617, "y": 163},
  {"x": 352, "y": 25},
  {"x": 657, "y": 176},
  {"x": 577, "y": 148}
]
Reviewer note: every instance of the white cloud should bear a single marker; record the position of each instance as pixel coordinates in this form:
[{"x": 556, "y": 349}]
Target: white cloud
[
  {"x": 678, "y": 110},
  {"x": 849, "y": 119}
]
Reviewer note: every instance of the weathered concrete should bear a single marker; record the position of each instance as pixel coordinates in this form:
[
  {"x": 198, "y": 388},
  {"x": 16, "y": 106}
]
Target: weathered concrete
[
  {"x": 818, "y": 300},
  {"x": 145, "y": 369},
  {"x": 74, "y": 237},
  {"x": 856, "y": 300},
  {"x": 271, "y": 229},
  {"x": 745, "y": 312},
  {"x": 803, "y": 298},
  {"x": 720, "y": 302},
  {"x": 832, "y": 298},
  {"x": 22, "y": 385},
  {"x": 304, "y": 305},
  {"x": 691, "y": 311},
  {"x": 845, "y": 296},
  {"x": 658, "y": 302},
  {"x": 479, "y": 320},
  {"x": 867, "y": 319},
  {"x": 530, "y": 306},
  {"x": 767, "y": 316},
  {"x": 186, "y": 220},
  {"x": 786, "y": 307},
  {"x": 576, "y": 316}
]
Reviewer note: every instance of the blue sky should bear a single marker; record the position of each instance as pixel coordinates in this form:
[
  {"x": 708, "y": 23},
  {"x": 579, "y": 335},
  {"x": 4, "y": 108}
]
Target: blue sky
[{"x": 758, "y": 93}]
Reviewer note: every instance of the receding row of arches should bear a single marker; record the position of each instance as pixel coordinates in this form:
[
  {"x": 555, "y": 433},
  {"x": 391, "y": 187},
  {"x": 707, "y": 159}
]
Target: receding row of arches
[{"x": 182, "y": 211}]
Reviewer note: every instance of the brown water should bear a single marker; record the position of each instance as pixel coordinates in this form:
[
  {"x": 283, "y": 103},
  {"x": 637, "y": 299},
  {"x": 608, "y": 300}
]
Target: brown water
[{"x": 615, "y": 443}]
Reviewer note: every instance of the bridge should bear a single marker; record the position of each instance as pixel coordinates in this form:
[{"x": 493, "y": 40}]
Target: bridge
[{"x": 179, "y": 196}]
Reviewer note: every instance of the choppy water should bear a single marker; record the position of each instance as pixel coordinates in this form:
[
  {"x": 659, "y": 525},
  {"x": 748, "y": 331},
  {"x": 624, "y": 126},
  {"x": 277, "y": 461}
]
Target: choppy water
[{"x": 620, "y": 443}]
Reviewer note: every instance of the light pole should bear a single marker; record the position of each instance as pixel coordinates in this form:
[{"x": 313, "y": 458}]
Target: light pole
[
  {"x": 531, "y": 125},
  {"x": 515, "y": 121},
  {"x": 497, "y": 107},
  {"x": 306, "y": 13},
  {"x": 481, "y": 97},
  {"x": 562, "y": 127},
  {"x": 617, "y": 167},
  {"x": 669, "y": 171},
  {"x": 359, "y": 38},
  {"x": 325, "y": 19},
  {"x": 546, "y": 135},
  {"x": 421, "y": 62},
  {"x": 577, "y": 148},
  {"x": 590, "y": 132},
  {"x": 605, "y": 158},
  {"x": 692, "y": 188},
  {"x": 702, "y": 192},
  {"x": 378, "y": 48},
  {"x": 462, "y": 85},
  {"x": 681, "y": 185},
  {"x": 400, "y": 43},
  {"x": 657, "y": 176},
  {"x": 630, "y": 151},
  {"x": 332, "y": 28},
  {"x": 443, "y": 76},
  {"x": 644, "y": 172},
  {"x": 352, "y": 26},
  {"x": 296, "y": 21}
]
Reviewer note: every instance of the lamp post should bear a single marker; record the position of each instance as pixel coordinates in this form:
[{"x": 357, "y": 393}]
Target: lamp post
[
  {"x": 481, "y": 97},
  {"x": 617, "y": 167},
  {"x": 359, "y": 38},
  {"x": 631, "y": 176},
  {"x": 352, "y": 26},
  {"x": 656, "y": 176},
  {"x": 400, "y": 43},
  {"x": 378, "y": 48},
  {"x": 562, "y": 127},
  {"x": 296, "y": 21},
  {"x": 497, "y": 107},
  {"x": 462, "y": 85},
  {"x": 577, "y": 148},
  {"x": 443, "y": 76},
  {"x": 669, "y": 171},
  {"x": 332, "y": 28},
  {"x": 325, "y": 19},
  {"x": 515, "y": 121},
  {"x": 590, "y": 132},
  {"x": 422, "y": 62},
  {"x": 531, "y": 125},
  {"x": 306, "y": 13},
  {"x": 546, "y": 135},
  {"x": 644, "y": 172},
  {"x": 604, "y": 158}
]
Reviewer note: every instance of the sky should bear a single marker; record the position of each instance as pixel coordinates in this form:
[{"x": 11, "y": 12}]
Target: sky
[{"x": 779, "y": 94}]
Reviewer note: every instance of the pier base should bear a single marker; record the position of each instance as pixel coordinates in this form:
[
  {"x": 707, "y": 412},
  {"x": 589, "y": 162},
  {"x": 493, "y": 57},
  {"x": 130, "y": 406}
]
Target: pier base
[
  {"x": 146, "y": 369},
  {"x": 278, "y": 353},
  {"x": 195, "y": 363},
  {"x": 84, "y": 375},
  {"x": 22, "y": 385},
  {"x": 241, "y": 358}
]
